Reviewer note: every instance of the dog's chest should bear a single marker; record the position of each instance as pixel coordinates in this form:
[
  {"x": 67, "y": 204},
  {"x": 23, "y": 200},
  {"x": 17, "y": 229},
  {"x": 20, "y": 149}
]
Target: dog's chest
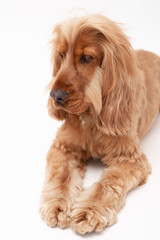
[{"x": 86, "y": 122}]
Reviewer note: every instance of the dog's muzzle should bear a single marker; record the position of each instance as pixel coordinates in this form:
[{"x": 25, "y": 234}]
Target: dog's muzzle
[{"x": 58, "y": 95}]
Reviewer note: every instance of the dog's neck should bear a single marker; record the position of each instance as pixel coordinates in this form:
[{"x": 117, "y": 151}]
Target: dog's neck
[
  {"x": 83, "y": 120},
  {"x": 86, "y": 119}
]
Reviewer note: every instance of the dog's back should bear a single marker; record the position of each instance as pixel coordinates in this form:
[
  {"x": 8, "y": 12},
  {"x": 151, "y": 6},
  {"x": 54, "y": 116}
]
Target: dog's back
[{"x": 149, "y": 63}]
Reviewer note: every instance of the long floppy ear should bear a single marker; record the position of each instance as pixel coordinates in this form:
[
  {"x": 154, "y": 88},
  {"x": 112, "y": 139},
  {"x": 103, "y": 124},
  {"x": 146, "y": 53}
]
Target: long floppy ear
[{"x": 119, "y": 80}]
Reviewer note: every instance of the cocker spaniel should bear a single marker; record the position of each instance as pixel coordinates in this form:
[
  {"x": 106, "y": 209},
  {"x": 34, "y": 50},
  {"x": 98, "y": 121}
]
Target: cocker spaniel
[{"x": 108, "y": 96}]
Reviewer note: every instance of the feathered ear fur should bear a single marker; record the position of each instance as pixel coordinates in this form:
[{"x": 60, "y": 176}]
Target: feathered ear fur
[{"x": 119, "y": 80}]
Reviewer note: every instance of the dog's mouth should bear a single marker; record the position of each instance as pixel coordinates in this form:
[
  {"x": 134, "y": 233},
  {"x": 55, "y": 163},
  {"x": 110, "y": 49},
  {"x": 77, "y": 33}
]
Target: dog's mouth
[{"x": 71, "y": 105}]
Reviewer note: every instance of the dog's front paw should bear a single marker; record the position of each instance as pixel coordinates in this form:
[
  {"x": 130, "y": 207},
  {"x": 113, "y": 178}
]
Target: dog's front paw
[
  {"x": 88, "y": 217},
  {"x": 55, "y": 212}
]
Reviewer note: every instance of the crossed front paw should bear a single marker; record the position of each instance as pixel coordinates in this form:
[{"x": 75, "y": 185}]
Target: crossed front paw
[
  {"x": 55, "y": 212},
  {"x": 88, "y": 217}
]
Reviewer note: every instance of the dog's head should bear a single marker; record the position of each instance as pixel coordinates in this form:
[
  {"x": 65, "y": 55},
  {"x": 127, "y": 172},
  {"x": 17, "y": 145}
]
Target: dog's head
[{"x": 93, "y": 71}]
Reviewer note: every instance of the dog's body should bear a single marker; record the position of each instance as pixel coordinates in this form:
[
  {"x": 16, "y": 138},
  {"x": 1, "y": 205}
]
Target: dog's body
[{"x": 109, "y": 97}]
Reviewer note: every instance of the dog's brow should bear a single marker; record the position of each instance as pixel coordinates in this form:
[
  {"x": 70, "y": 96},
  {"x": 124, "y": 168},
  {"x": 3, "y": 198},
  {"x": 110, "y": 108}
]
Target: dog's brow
[
  {"x": 61, "y": 48},
  {"x": 87, "y": 51}
]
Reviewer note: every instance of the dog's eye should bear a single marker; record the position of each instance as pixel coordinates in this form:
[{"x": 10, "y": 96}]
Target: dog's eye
[
  {"x": 86, "y": 59},
  {"x": 60, "y": 54}
]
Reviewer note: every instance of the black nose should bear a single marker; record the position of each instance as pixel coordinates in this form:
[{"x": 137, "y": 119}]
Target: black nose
[{"x": 59, "y": 95}]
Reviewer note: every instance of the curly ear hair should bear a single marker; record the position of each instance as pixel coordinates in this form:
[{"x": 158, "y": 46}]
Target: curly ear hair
[{"x": 119, "y": 79}]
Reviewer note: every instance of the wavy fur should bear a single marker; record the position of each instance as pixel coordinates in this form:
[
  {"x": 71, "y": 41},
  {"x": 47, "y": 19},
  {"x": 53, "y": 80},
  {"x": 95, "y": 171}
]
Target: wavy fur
[{"x": 113, "y": 99}]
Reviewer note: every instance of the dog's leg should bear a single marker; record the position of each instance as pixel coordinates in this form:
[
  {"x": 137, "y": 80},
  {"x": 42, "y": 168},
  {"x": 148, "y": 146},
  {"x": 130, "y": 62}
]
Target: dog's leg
[
  {"x": 98, "y": 206},
  {"x": 63, "y": 178}
]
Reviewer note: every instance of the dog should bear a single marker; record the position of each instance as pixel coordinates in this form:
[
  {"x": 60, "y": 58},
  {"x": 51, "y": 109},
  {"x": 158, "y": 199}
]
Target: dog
[{"x": 108, "y": 96}]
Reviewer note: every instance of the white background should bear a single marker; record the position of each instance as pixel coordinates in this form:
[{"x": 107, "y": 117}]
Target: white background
[{"x": 26, "y": 131}]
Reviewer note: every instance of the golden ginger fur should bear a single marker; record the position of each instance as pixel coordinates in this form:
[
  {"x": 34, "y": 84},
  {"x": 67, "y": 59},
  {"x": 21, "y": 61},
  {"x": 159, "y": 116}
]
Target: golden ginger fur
[{"x": 113, "y": 100}]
